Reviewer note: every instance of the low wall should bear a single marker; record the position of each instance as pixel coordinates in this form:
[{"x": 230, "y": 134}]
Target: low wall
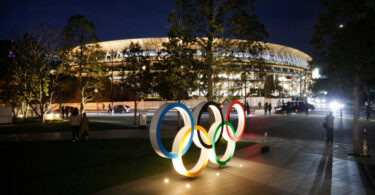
[
  {"x": 141, "y": 105},
  {"x": 153, "y": 105},
  {"x": 6, "y": 115}
]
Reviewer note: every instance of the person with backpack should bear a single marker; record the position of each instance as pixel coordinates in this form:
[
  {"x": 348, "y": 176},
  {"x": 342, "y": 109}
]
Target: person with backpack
[
  {"x": 329, "y": 127},
  {"x": 84, "y": 128},
  {"x": 75, "y": 122}
]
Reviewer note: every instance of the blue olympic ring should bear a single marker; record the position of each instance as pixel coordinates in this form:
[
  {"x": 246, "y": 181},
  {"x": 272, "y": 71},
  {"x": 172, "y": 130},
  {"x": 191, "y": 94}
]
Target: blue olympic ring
[{"x": 158, "y": 139}]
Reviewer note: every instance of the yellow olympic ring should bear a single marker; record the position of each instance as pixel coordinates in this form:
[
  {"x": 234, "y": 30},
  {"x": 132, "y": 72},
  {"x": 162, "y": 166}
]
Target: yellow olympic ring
[{"x": 203, "y": 158}]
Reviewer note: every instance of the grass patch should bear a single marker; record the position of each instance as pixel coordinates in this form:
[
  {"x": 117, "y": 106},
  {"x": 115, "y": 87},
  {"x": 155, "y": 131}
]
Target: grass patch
[
  {"x": 59, "y": 167},
  {"x": 35, "y": 126}
]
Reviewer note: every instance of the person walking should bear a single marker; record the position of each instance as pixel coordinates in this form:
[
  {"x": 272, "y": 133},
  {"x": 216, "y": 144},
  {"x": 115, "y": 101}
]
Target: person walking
[
  {"x": 62, "y": 112},
  {"x": 288, "y": 109},
  {"x": 84, "y": 128},
  {"x": 75, "y": 122},
  {"x": 66, "y": 112},
  {"x": 265, "y": 108},
  {"x": 247, "y": 108},
  {"x": 329, "y": 127},
  {"x": 269, "y": 108},
  {"x": 368, "y": 111},
  {"x": 306, "y": 108}
]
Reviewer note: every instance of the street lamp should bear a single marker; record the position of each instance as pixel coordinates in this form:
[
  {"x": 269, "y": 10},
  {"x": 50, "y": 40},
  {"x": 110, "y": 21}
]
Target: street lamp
[
  {"x": 246, "y": 107},
  {"x": 112, "y": 84},
  {"x": 96, "y": 95}
]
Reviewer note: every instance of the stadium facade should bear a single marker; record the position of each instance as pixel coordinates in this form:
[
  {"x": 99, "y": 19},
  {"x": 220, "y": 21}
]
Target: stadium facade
[{"x": 287, "y": 65}]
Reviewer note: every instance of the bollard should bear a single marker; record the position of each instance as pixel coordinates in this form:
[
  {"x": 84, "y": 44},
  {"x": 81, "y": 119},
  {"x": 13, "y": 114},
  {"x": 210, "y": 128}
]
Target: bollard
[
  {"x": 265, "y": 138},
  {"x": 142, "y": 121},
  {"x": 265, "y": 147},
  {"x": 364, "y": 143}
]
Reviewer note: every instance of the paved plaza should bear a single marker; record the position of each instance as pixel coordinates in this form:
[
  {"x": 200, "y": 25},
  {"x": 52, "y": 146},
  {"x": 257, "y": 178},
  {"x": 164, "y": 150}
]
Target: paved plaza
[
  {"x": 299, "y": 161},
  {"x": 291, "y": 167}
]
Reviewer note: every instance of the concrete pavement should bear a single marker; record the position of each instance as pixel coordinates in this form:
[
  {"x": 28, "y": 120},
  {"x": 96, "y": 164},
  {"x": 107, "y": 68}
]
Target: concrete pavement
[
  {"x": 294, "y": 165},
  {"x": 291, "y": 167}
]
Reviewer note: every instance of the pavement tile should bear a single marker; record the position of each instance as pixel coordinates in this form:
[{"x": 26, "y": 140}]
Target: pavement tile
[{"x": 288, "y": 168}]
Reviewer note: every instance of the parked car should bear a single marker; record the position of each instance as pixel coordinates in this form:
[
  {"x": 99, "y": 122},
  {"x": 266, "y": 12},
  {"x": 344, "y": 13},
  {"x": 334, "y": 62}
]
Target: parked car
[
  {"x": 122, "y": 109},
  {"x": 296, "y": 107}
]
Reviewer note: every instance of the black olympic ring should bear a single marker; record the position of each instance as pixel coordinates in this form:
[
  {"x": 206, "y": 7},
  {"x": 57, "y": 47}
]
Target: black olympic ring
[{"x": 197, "y": 118}]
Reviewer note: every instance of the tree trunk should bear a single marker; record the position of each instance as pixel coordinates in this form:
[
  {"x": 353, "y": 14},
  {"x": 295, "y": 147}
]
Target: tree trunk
[
  {"x": 42, "y": 113},
  {"x": 355, "y": 118},
  {"x": 209, "y": 60},
  {"x": 81, "y": 88},
  {"x": 43, "y": 118},
  {"x": 82, "y": 103},
  {"x": 135, "y": 111},
  {"x": 179, "y": 117},
  {"x": 25, "y": 109},
  {"x": 210, "y": 95}
]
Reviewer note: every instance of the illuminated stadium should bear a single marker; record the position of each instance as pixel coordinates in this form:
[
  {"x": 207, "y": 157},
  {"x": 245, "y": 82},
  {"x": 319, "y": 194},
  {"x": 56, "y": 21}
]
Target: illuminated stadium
[{"x": 287, "y": 65}]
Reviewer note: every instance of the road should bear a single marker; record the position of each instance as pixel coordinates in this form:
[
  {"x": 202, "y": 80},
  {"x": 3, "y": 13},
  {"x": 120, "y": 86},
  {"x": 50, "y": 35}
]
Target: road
[{"x": 296, "y": 126}]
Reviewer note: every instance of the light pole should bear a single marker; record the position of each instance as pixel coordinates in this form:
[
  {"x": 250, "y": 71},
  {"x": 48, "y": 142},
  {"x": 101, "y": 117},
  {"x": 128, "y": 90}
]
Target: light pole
[
  {"x": 96, "y": 97},
  {"x": 112, "y": 107},
  {"x": 245, "y": 92}
]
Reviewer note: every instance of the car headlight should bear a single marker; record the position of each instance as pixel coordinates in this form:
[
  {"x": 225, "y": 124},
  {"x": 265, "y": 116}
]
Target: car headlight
[{"x": 335, "y": 105}]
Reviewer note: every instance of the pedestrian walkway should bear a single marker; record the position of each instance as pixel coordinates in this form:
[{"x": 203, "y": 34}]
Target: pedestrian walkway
[
  {"x": 106, "y": 134},
  {"x": 291, "y": 167}
]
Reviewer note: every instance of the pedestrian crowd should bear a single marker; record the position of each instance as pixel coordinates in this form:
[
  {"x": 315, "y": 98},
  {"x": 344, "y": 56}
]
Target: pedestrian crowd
[{"x": 286, "y": 108}]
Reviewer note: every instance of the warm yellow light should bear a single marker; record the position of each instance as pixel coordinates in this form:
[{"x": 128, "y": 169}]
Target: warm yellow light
[
  {"x": 57, "y": 116},
  {"x": 49, "y": 116},
  {"x": 217, "y": 174},
  {"x": 187, "y": 186},
  {"x": 179, "y": 143},
  {"x": 240, "y": 165},
  {"x": 166, "y": 180}
]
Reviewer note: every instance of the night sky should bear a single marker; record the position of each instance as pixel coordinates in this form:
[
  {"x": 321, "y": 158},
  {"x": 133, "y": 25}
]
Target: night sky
[{"x": 289, "y": 22}]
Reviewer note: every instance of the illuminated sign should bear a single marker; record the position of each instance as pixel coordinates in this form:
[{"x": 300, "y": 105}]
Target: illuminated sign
[{"x": 193, "y": 132}]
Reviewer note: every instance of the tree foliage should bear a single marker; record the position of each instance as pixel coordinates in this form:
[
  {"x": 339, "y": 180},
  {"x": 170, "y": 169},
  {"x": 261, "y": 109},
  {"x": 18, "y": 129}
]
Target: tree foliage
[
  {"x": 178, "y": 75},
  {"x": 344, "y": 42},
  {"x": 136, "y": 72},
  {"x": 35, "y": 72},
  {"x": 271, "y": 86},
  {"x": 214, "y": 28},
  {"x": 81, "y": 54}
]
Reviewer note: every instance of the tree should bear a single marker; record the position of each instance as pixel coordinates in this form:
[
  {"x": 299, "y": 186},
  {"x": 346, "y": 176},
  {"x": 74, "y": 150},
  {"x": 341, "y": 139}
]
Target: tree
[
  {"x": 214, "y": 28},
  {"x": 136, "y": 73},
  {"x": 344, "y": 41},
  {"x": 271, "y": 86},
  {"x": 47, "y": 69},
  {"x": 34, "y": 71},
  {"x": 81, "y": 54},
  {"x": 178, "y": 77},
  {"x": 19, "y": 88}
]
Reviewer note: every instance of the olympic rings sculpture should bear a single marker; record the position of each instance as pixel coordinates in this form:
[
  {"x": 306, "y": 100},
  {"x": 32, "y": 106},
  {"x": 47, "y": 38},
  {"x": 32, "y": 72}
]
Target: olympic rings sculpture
[{"x": 193, "y": 132}]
